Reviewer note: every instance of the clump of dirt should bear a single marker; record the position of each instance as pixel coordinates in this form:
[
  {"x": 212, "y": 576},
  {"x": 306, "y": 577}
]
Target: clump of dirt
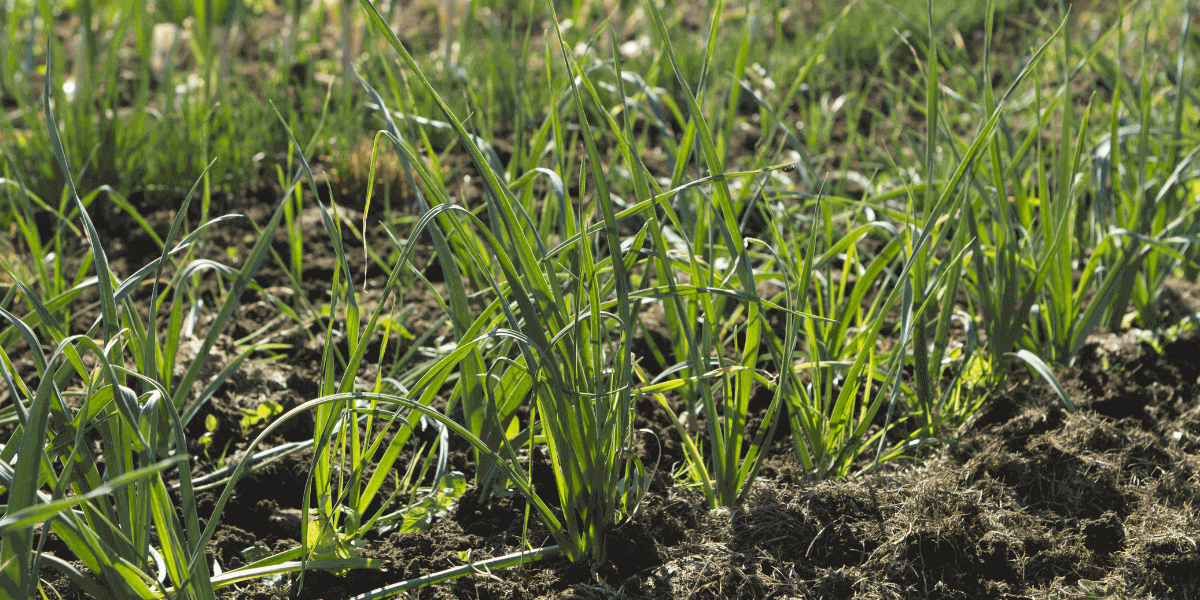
[{"x": 1029, "y": 501}]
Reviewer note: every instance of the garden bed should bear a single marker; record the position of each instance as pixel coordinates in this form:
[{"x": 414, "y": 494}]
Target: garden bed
[{"x": 785, "y": 338}]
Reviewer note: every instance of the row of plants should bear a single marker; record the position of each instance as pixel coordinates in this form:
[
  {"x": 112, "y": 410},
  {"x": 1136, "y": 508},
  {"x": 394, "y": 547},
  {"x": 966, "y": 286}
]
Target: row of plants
[{"x": 873, "y": 303}]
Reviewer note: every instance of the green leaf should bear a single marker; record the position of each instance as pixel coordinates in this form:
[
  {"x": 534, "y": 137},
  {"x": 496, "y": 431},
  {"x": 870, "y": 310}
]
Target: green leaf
[{"x": 1040, "y": 368}]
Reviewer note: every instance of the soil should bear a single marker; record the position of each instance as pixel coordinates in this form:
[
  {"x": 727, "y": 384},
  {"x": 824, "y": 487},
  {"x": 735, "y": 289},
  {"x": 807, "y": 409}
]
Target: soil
[{"x": 1027, "y": 501}]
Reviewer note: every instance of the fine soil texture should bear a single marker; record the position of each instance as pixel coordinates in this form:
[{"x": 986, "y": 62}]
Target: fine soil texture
[{"x": 1025, "y": 500}]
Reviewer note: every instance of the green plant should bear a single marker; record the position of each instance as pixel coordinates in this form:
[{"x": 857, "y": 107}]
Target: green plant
[
  {"x": 580, "y": 386},
  {"x": 107, "y": 520},
  {"x": 211, "y": 426},
  {"x": 260, "y": 416},
  {"x": 856, "y": 255}
]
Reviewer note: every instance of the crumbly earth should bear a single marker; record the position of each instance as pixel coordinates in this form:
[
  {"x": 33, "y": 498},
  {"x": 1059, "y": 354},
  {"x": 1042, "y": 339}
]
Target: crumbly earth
[{"x": 1027, "y": 502}]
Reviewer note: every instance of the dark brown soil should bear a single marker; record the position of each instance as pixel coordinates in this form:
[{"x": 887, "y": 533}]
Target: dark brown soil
[{"x": 1029, "y": 501}]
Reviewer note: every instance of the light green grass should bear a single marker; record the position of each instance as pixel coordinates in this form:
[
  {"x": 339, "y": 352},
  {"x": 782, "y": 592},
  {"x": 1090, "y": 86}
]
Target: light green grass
[{"x": 865, "y": 246}]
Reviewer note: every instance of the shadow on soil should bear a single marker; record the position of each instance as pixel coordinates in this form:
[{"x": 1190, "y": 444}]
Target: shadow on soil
[{"x": 1030, "y": 501}]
